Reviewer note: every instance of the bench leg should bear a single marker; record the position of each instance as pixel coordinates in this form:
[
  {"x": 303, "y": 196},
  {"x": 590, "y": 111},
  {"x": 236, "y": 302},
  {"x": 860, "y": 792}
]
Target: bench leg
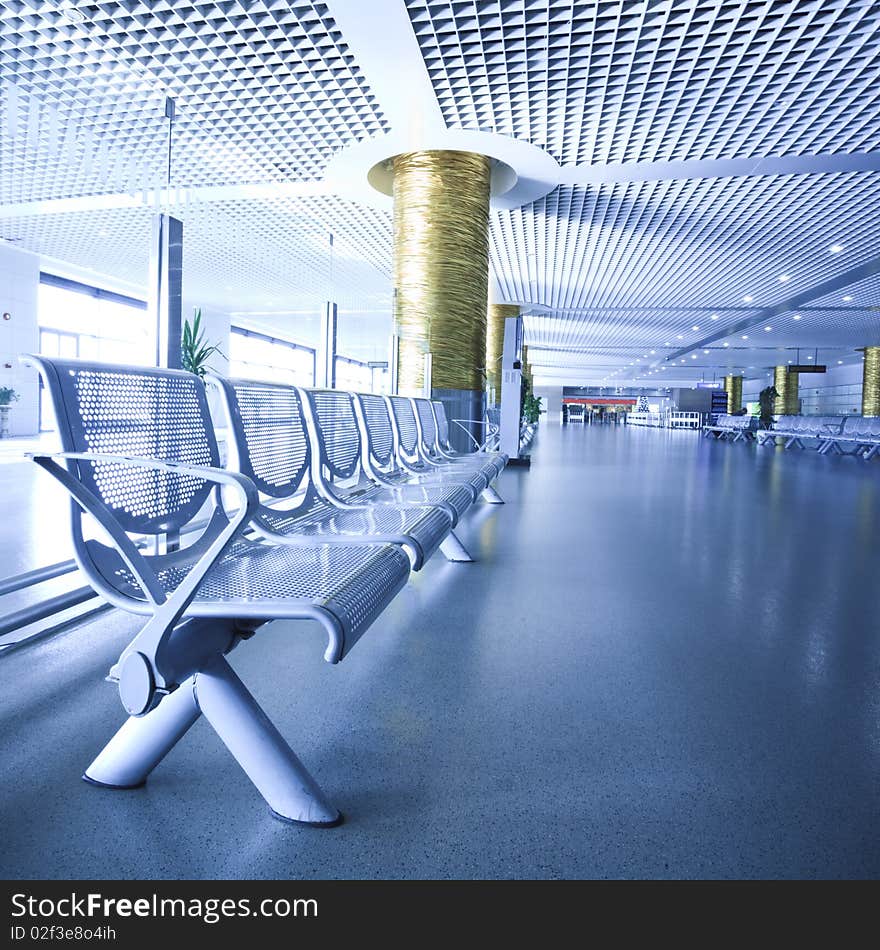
[
  {"x": 259, "y": 748},
  {"x": 143, "y": 741},
  {"x": 491, "y": 496},
  {"x": 453, "y": 549},
  {"x": 871, "y": 452}
]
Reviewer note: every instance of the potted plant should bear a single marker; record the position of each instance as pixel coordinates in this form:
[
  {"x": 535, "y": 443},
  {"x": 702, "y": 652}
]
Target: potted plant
[
  {"x": 767, "y": 401},
  {"x": 7, "y": 397},
  {"x": 531, "y": 409},
  {"x": 194, "y": 351}
]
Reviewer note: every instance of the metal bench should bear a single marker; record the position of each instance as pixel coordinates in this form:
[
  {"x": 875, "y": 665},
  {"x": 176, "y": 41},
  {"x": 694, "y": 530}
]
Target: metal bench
[
  {"x": 381, "y": 464},
  {"x": 298, "y": 447},
  {"x": 859, "y": 435},
  {"x": 140, "y": 457},
  {"x": 794, "y": 430},
  {"x": 463, "y": 466},
  {"x": 435, "y": 432},
  {"x": 576, "y": 412},
  {"x": 733, "y": 427},
  {"x": 410, "y": 455}
]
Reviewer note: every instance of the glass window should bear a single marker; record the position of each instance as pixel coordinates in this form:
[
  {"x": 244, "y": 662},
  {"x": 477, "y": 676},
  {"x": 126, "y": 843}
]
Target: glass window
[
  {"x": 254, "y": 355},
  {"x": 80, "y": 321},
  {"x": 353, "y": 375}
]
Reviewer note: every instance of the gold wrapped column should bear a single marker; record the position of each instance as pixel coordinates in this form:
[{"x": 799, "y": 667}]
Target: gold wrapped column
[
  {"x": 498, "y": 313},
  {"x": 441, "y": 268},
  {"x": 786, "y": 384},
  {"x": 733, "y": 386},
  {"x": 871, "y": 382}
]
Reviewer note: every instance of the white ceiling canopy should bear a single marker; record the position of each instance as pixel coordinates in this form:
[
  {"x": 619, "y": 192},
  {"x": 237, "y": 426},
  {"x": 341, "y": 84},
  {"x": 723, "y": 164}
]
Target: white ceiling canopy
[{"x": 710, "y": 164}]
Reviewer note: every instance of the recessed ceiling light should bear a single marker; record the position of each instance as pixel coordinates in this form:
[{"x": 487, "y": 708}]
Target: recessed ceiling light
[
  {"x": 714, "y": 316},
  {"x": 809, "y": 357},
  {"x": 725, "y": 344},
  {"x": 847, "y": 299},
  {"x": 836, "y": 248},
  {"x": 767, "y": 329},
  {"x": 706, "y": 352},
  {"x": 791, "y": 361},
  {"x": 745, "y": 336},
  {"x": 679, "y": 337},
  {"x": 784, "y": 278},
  {"x": 693, "y": 356},
  {"x": 840, "y": 362},
  {"x": 695, "y": 328},
  {"x": 796, "y": 316},
  {"x": 67, "y": 11},
  {"x": 748, "y": 298}
]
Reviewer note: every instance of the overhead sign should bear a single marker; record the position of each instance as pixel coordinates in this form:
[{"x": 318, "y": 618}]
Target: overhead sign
[
  {"x": 708, "y": 385},
  {"x": 806, "y": 368}
]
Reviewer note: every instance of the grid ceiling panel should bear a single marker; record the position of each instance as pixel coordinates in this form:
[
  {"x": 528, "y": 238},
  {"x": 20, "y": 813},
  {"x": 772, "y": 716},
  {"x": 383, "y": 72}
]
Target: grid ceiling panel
[
  {"x": 698, "y": 242},
  {"x": 266, "y": 91},
  {"x": 594, "y": 81},
  {"x": 238, "y": 255}
]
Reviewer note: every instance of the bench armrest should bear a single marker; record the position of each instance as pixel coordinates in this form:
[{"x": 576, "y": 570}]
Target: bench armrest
[{"x": 167, "y": 608}]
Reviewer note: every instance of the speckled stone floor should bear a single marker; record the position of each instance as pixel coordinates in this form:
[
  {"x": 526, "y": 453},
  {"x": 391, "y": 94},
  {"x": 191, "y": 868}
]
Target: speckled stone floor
[{"x": 664, "y": 664}]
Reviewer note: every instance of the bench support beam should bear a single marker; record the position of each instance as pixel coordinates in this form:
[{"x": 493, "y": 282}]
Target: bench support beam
[
  {"x": 259, "y": 748},
  {"x": 453, "y": 549},
  {"x": 491, "y": 496}
]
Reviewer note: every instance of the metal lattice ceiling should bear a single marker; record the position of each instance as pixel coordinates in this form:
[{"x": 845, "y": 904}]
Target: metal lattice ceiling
[{"x": 268, "y": 91}]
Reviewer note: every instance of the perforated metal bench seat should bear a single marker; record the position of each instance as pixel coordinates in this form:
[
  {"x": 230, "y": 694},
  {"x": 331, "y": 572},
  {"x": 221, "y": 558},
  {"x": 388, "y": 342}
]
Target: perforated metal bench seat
[
  {"x": 292, "y": 443},
  {"x": 404, "y": 489},
  {"x": 343, "y": 587},
  {"x": 421, "y": 528}
]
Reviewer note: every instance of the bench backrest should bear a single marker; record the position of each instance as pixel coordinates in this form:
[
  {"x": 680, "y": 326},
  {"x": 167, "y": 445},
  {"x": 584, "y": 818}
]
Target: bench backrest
[
  {"x": 442, "y": 423},
  {"x": 861, "y": 426},
  {"x": 269, "y": 432},
  {"x": 407, "y": 427},
  {"x": 134, "y": 411},
  {"x": 336, "y": 430},
  {"x": 427, "y": 424},
  {"x": 379, "y": 429}
]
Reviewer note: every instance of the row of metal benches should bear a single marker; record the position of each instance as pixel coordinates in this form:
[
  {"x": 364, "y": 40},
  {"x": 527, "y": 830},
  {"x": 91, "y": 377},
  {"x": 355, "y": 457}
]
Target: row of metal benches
[
  {"x": 732, "y": 427},
  {"x": 845, "y": 435},
  {"x": 327, "y": 501}
]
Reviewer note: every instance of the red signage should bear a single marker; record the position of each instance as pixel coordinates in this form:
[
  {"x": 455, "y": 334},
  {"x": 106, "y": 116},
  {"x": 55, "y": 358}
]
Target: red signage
[{"x": 599, "y": 400}]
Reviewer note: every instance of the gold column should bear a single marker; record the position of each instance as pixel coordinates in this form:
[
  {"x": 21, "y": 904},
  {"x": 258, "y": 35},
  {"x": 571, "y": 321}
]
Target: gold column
[
  {"x": 441, "y": 267},
  {"x": 871, "y": 382},
  {"x": 786, "y": 384},
  {"x": 733, "y": 386},
  {"x": 498, "y": 313}
]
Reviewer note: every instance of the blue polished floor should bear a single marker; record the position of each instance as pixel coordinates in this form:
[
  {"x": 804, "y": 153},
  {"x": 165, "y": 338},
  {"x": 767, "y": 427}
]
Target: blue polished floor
[{"x": 664, "y": 664}]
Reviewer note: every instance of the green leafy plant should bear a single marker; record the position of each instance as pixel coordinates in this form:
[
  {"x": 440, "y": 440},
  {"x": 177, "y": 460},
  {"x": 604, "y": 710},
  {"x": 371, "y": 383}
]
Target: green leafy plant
[
  {"x": 531, "y": 409},
  {"x": 7, "y": 396},
  {"x": 194, "y": 351},
  {"x": 767, "y": 401}
]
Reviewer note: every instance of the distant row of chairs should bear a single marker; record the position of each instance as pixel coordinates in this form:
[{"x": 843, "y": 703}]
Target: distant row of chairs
[{"x": 845, "y": 435}]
